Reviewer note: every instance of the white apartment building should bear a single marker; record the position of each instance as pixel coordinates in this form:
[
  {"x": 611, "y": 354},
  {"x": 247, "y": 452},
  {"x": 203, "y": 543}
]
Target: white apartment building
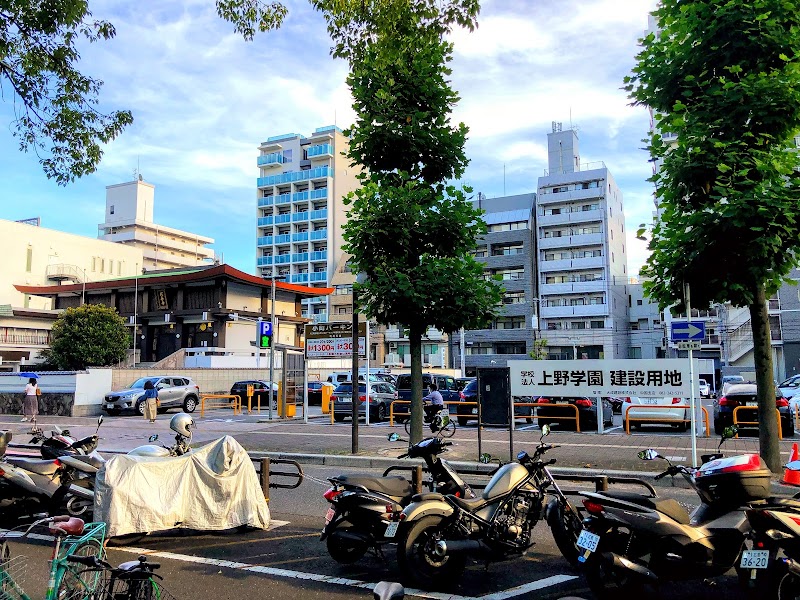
[
  {"x": 300, "y": 213},
  {"x": 581, "y": 256},
  {"x": 129, "y": 221},
  {"x": 40, "y": 256}
]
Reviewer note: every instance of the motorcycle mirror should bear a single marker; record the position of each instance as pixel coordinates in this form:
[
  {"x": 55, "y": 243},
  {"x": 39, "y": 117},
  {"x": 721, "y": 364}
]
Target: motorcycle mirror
[
  {"x": 393, "y": 437},
  {"x": 793, "y": 465},
  {"x": 388, "y": 590},
  {"x": 57, "y": 430},
  {"x": 100, "y": 421},
  {"x": 485, "y": 458},
  {"x": 153, "y": 437},
  {"x": 546, "y": 430},
  {"x": 648, "y": 454}
]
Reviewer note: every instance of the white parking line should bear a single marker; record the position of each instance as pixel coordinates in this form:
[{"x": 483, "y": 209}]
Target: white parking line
[{"x": 509, "y": 593}]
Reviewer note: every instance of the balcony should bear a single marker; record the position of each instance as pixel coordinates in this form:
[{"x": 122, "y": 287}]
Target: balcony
[
  {"x": 576, "y": 287},
  {"x": 300, "y": 257},
  {"x": 596, "y": 193},
  {"x": 583, "y": 216},
  {"x": 283, "y": 199},
  {"x": 284, "y": 218},
  {"x": 264, "y": 221},
  {"x": 320, "y": 317},
  {"x": 320, "y": 194},
  {"x": 586, "y": 310},
  {"x": 264, "y": 261},
  {"x": 283, "y": 239},
  {"x": 319, "y": 255},
  {"x": 283, "y": 259},
  {"x": 320, "y": 150},
  {"x": 319, "y": 234},
  {"x": 592, "y": 262},
  {"x": 262, "y": 202},
  {"x": 319, "y": 214},
  {"x": 264, "y": 241},
  {"x": 298, "y": 278},
  {"x": 274, "y": 159},
  {"x": 571, "y": 241},
  {"x": 293, "y": 176},
  {"x": 300, "y": 216},
  {"x": 300, "y": 196},
  {"x": 318, "y": 277},
  {"x": 300, "y": 237}
]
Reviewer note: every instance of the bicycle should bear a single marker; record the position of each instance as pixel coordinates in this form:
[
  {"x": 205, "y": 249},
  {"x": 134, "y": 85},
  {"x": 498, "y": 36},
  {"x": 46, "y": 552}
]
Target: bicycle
[
  {"x": 132, "y": 580},
  {"x": 72, "y": 537},
  {"x": 440, "y": 423}
]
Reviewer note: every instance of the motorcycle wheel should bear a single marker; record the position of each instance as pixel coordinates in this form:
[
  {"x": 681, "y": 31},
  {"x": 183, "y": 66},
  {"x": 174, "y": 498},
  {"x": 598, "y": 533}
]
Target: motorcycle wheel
[
  {"x": 342, "y": 550},
  {"x": 418, "y": 560},
  {"x": 565, "y": 524},
  {"x": 78, "y": 507},
  {"x": 606, "y": 582}
]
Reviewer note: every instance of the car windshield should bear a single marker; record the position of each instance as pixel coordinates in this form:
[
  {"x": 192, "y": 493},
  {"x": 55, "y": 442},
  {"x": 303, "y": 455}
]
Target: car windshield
[
  {"x": 139, "y": 383},
  {"x": 471, "y": 386},
  {"x": 792, "y": 382},
  {"x": 315, "y": 385},
  {"x": 347, "y": 388}
]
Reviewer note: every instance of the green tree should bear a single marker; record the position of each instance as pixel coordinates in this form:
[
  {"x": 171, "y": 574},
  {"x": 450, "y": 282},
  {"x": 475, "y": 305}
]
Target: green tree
[
  {"x": 724, "y": 78},
  {"x": 539, "y": 351},
  {"x": 409, "y": 230},
  {"x": 91, "y": 335}
]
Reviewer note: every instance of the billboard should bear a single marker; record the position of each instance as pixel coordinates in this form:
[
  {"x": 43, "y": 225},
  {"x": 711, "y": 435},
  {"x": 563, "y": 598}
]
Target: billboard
[{"x": 334, "y": 340}]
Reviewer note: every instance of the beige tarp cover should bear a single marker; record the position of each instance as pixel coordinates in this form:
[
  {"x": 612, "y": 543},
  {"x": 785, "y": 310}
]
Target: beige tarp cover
[{"x": 214, "y": 487}]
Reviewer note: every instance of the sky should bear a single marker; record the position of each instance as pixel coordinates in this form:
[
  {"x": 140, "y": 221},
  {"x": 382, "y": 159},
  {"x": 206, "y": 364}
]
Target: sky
[{"x": 203, "y": 99}]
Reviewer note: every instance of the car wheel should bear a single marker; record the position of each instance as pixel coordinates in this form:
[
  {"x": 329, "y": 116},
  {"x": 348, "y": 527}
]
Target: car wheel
[
  {"x": 381, "y": 416},
  {"x": 140, "y": 408},
  {"x": 787, "y": 428},
  {"x": 189, "y": 404}
]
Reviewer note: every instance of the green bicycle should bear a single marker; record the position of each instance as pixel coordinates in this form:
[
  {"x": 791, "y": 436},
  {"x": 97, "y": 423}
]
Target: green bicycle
[{"x": 66, "y": 582}]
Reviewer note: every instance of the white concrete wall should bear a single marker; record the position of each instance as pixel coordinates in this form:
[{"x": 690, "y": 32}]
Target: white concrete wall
[{"x": 91, "y": 386}]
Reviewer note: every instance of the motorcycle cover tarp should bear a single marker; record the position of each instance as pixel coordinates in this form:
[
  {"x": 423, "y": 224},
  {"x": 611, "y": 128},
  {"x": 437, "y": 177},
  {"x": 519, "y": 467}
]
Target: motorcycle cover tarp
[{"x": 212, "y": 488}]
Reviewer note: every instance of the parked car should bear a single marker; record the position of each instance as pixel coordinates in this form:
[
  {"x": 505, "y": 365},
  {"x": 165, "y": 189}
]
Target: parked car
[
  {"x": 728, "y": 380},
  {"x": 744, "y": 394},
  {"x": 705, "y": 389},
  {"x": 587, "y": 412},
  {"x": 173, "y": 392},
  {"x": 469, "y": 412},
  {"x": 462, "y": 382},
  {"x": 381, "y": 396},
  {"x": 315, "y": 391},
  {"x": 260, "y": 391},
  {"x": 638, "y": 411},
  {"x": 387, "y": 377},
  {"x": 616, "y": 404},
  {"x": 790, "y": 387},
  {"x": 445, "y": 383}
]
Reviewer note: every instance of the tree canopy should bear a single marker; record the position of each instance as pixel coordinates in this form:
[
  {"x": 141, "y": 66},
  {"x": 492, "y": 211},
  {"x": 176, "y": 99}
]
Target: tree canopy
[
  {"x": 91, "y": 335},
  {"x": 723, "y": 78}
]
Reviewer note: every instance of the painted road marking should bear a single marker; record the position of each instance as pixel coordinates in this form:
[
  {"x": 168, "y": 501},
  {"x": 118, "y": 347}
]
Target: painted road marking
[{"x": 519, "y": 590}]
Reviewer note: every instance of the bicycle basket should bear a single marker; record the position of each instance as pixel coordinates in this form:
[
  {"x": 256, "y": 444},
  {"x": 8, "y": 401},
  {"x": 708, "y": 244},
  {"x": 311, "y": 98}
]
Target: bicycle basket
[
  {"x": 12, "y": 574},
  {"x": 134, "y": 586}
]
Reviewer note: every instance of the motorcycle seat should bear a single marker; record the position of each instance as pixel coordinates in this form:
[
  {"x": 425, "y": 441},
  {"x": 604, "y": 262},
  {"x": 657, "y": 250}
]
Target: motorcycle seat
[
  {"x": 396, "y": 487},
  {"x": 34, "y": 465},
  {"x": 668, "y": 506},
  {"x": 470, "y": 504}
]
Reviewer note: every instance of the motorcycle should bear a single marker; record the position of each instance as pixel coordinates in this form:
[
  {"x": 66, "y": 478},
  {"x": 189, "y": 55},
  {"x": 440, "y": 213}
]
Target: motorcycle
[
  {"x": 440, "y": 531},
  {"x": 182, "y": 424},
  {"x": 359, "y": 517},
  {"x": 61, "y": 443},
  {"x": 630, "y": 538}
]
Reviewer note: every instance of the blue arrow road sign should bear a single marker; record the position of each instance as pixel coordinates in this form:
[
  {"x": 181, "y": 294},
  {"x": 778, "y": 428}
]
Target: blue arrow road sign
[
  {"x": 264, "y": 328},
  {"x": 691, "y": 330}
]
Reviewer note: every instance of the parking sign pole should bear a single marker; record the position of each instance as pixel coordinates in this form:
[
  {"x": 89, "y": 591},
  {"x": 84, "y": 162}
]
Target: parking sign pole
[
  {"x": 258, "y": 344},
  {"x": 693, "y": 416}
]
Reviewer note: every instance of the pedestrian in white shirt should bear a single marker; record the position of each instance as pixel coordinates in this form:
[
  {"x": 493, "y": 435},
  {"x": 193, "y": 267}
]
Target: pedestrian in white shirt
[{"x": 30, "y": 406}]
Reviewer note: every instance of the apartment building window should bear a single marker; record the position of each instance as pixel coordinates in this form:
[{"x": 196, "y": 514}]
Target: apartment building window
[
  {"x": 552, "y": 211},
  {"x": 554, "y": 325},
  {"x": 585, "y": 185},
  {"x": 586, "y": 230},
  {"x": 556, "y": 279},
  {"x": 577, "y": 302},
  {"x": 577, "y": 325},
  {"x": 511, "y": 274},
  {"x": 588, "y": 253},
  {"x": 342, "y": 290},
  {"x": 589, "y": 277},
  {"x": 597, "y": 300},
  {"x": 509, "y": 323},
  {"x": 507, "y": 249},
  {"x": 557, "y": 256},
  {"x": 510, "y": 348},
  {"x": 597, "y": 324},
  {"x": 555, "y": 233},
  {"x": 593, "y": 206},
  {"x": 513, "y": 297},
  {"x": 513, "y": 226},
  {"x": 111, "y": 209},
  {"x": 635, "y": 352},
  {"x": 480, "y": 252},
  {"x": 344, "y": 310},
  {"x": 287, "y": 155},
  {"x": 560, "y": 189},
  {"x": 321, "y": 269},
  {"x": 478, "y": 348}
]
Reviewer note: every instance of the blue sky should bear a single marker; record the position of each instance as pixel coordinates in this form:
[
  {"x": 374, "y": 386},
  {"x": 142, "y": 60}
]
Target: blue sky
[{"x": 203, "y": 99}]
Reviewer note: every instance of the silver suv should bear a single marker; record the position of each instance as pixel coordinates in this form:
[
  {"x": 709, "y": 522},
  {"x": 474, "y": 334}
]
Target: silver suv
[{"x": 173, "y": 392}]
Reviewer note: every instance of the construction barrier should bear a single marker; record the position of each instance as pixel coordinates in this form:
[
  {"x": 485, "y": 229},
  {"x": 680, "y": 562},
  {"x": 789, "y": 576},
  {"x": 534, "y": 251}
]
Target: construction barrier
[
  {"x": 550, "y": 417},
  {"x": 628, "y": 419},
  {"x": 737, "y": 422},
  {"x": 216, "y": 401}
]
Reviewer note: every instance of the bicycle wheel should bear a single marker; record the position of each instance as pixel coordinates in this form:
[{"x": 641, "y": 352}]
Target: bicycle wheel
[
  {"x": 407, "y": 426},
  {"x": 74, "y": 582},
  {"x": 448, "y": 430}
]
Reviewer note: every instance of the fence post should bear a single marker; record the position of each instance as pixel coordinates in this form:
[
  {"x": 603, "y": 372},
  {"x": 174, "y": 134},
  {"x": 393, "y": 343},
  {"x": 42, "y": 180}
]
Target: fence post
[
  {"x": 265, "y": 477},
  {"x": 416, "y": 479}
]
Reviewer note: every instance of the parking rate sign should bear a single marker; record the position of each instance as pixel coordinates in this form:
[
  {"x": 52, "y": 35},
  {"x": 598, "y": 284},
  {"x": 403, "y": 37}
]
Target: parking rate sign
[
  {"x": 264, "y": 334},
  {"x": 665, "y": 377}
]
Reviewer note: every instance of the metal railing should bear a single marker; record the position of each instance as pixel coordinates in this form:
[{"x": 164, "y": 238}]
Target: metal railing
[
  {"x": 265, "y": 473},
  {"x": 216, "y": 401},
  {"x": 737, "y": 422},
  {"x": 627, "y": 419},
  {"x": 550, "y": 417}
]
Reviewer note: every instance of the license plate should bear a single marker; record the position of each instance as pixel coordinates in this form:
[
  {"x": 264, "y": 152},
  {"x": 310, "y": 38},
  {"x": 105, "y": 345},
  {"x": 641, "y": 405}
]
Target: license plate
[
  {"x": 391, "y": 529},
  {"x": 562, "y": 401},
  {"x": 475, "y": 410},
  {"x": 649, "y": 400},
  {"x": 109, "y": 405},
  {"x": 588, "y": 540},
  {"x": 329, "y": 515},
  {"x": 755, "y": 559},
  {"x": 753, "y": 403}
]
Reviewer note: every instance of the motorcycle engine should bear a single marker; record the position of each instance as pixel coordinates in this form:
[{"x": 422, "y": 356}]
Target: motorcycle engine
[{"x": 515, "y": 520}]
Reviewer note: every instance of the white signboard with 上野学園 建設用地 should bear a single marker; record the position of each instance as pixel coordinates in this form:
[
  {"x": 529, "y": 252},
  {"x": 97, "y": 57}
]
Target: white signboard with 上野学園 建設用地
[{"x": 656, "y": 378}]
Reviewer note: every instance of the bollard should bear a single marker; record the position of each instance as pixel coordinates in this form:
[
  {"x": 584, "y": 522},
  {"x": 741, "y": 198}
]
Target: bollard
[
  {"x": 601, "y": 483},
  {"x": 416, "y": 479},
  {"x": 265, "y": 478}
]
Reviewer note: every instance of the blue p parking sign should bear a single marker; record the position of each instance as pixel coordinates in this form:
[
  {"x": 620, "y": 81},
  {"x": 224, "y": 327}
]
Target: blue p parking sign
[{"x": 264, "y": 334}]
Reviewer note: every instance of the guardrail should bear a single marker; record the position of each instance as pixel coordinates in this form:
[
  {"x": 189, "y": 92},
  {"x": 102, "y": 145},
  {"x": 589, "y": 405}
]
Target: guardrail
[
  {"x": 536, "y": 416},
  {"x": 232, "y": 401},
  {"x": 755, "y": 408},
  {"x": 627, "y": 419},
  {"x": 264, "y": 466}
]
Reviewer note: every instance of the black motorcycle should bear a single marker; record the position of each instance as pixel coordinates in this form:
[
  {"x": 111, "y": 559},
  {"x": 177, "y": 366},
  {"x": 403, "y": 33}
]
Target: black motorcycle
[
  {"x": 631, "y": 539},
  {"x": 61, "y": 443},
  {"x": 362, "y": 510}
]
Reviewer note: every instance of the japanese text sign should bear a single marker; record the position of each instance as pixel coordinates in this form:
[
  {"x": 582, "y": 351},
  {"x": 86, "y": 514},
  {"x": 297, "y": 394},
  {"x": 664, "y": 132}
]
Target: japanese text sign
[
  {"x": 334, "y": 340},
  {"x": 666, "y": 377}
]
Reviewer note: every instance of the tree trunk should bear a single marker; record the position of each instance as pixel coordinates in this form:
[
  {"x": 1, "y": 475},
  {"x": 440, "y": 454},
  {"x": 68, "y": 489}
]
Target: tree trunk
[
  {"x": 762, "y": 353},
  {"x": 415, "y": 350}
]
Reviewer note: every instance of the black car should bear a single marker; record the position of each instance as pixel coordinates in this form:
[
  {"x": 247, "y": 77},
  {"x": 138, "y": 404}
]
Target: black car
[
  {"x": 587, "y": 412},
  {"x": 260, "y": 392},
  {"x": 744, "y": 394},
  {"x": 315, "y": 391},
  {"x": 470, "y": 411}
]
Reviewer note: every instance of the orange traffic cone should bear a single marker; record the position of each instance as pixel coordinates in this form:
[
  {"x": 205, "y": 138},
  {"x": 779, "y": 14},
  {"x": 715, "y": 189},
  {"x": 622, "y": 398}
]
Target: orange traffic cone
[{"x": 792, "y": 477}]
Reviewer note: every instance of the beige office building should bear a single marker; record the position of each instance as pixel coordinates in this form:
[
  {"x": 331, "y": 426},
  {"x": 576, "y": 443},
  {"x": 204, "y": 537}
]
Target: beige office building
[
  {"x": 40, "y": 256},
  {"x": 129, "y": 221}
]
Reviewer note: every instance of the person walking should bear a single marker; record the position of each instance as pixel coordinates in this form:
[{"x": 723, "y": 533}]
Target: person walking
[
  {"x": 30, "y": 405},
  {"x": 150, "y": 401}
]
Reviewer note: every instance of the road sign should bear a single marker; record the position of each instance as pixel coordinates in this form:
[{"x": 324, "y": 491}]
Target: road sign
[
  {"x": 690, "y": 345},
  {"x": 264, "y": 334},
  {"x": 688, "y": 330}
]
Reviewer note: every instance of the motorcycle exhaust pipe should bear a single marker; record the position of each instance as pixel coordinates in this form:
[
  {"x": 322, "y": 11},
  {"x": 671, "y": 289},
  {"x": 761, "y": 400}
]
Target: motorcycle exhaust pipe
[
  {"x": 445, "y": 547},
  {"x": 620, "y": 562},
  {"x": 792, "y": 565}
]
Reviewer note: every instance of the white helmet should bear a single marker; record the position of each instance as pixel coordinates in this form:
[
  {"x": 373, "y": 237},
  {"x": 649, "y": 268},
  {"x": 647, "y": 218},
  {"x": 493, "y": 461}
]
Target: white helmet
[{"x": 182, "y": 424}]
